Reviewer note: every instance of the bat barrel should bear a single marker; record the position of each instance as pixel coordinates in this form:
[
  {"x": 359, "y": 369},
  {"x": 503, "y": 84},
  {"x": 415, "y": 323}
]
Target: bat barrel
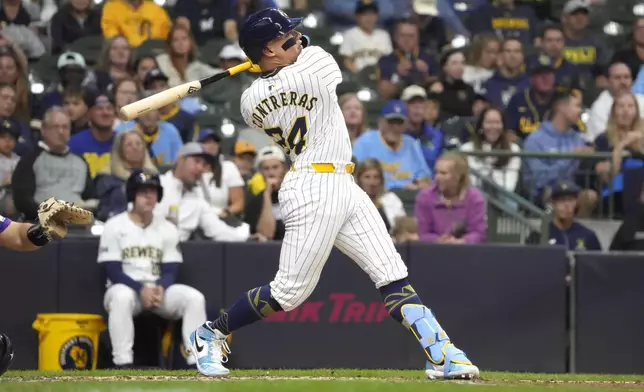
[{"x": 158, "y": 100}]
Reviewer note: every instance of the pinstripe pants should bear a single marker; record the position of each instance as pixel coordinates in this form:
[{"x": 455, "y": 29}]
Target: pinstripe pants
[{"x": 322, "y": 210}]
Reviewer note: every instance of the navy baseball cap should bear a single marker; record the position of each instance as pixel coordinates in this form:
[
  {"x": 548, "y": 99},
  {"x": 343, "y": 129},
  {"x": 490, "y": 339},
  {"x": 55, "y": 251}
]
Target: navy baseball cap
[
  {"x": 394, "y": 109},
  {"x": 366, "y": 5},
  {"x": 152, "y": 76},
  {"x": 96, "y": 98},
  {"x": 541, "y": 63},
  {"x": 208, "y": 133},
  {"x": 10, "y": 128},
  {"x": 564, "y": 188}
]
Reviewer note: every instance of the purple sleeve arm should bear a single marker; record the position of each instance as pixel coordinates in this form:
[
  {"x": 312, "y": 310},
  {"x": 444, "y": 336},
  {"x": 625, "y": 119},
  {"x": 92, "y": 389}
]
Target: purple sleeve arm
[
  {"x": 423, "y": 217},
  {"x": 476, "y": 221},
  {"x": 4, "y": 223}
]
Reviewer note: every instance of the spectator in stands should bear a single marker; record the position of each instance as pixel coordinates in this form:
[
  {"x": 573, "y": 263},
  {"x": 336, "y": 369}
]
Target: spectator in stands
[
  {"x": 371, "y": 178},
  {"x": 341, "y": 13},
  {"x": 140, "y": 255},
  {"x": 563, "y": 230},
  {"x": 505, "y": 18},
  {"x": 624, "y": 134},
  {"x": 136, "y": 20},
  {"x": 182, "y": 202},
  {"x": 114, "y": 63},
  {"x": 95, "y": 143},
  {"x": 129, "y": 152},
  {"x": 492, "y": 135},
  {"x": 405, "y": 229},
  {"x": 557, "y": 136},
  {"x": 355, "y": 116},
  {"x": 433, "y": 108},
  {"x": 180, "y": 62},
  {"x": 567, "y": 75},
  {"x": 72, "y": 71},
  {"x": 451, "y": 211},
  {"x": 76, "y": 109},
  {"x": 52, "y": 170},
  {"x": 26, "y": 140},
  {"x": 505, "y": 82},
  {"x": 162, "y": 137},
  {"x": 156, "y": 81},
  {"x": 529, "y": 107},
  {"x": 629, "y": 235},
  {"x": 14, "y": 12},
  {"x": 400, "y": 155},
  {"x": 407, "y": 65},
  {"x": 9, "y": 134},
  {"x": 482, "y": 61},
  {"x": 431, "y": 21},
  {"x": 142, "y": 66},
  {"x": 263, "y": 212},
  {"x": 14, "y": 72},
  {"x": 222, "y": 185},
  {"x": 619, "y": 82},
  {"x": 479, "y": 104},
  {"x": 207, "y": 19},
  {"x": 126, "y": 91},
  {"x": 456, "y": 96},
  {"x": 430, "y": 138},
  {"x": 583, "y": 49},
  {"x": 363, "y": 45},
  {"x": 75, "y": 19},
  {"x": 633, "y": 56},
  {"x": 245, "y": 154}
]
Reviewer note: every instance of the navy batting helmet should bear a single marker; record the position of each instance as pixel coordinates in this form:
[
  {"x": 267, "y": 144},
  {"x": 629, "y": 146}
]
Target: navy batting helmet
[
  {"x": 6, "y": 353},
  {"x": 140, "y": 179},
  {"x": 262, "y": 27}
]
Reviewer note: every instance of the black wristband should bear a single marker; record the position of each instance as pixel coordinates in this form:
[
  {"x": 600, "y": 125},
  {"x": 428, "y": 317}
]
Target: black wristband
[{"x": 37, "y": 236}]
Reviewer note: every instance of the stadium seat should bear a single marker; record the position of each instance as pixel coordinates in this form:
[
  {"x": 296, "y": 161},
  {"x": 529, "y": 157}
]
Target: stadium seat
[
  {"x": 209, "y": 52},
  {"x": 408, "y": 197},
  {"x": 46, "y": 69},
  {"x": 207, "y": 120},
  {"x": 367, "y": 77},
  {"x": 347, "y": 87},
  {"x": 152, "y": 47},
  {"x": 90, "y": 47}
]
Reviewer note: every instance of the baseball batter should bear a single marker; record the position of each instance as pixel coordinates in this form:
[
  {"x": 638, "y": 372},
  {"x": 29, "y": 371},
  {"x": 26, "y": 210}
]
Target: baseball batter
[
  {"x": 295, "y": 102},
  {"x": 140, "y": 252}
]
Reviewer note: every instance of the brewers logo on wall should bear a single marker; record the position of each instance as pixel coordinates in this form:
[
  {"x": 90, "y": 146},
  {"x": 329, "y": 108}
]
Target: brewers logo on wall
[{"x": 77, "y": 353}]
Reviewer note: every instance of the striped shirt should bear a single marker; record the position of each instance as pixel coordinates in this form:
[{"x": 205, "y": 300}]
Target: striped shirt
[{"x": 297, "y": 106}]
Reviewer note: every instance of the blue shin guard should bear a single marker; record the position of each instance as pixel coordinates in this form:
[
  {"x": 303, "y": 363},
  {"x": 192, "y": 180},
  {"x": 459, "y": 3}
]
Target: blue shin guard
[{"x": 432, "y": 338}]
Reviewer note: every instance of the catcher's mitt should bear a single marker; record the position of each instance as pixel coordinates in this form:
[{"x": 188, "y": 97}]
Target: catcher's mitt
[{"x": 54, "y": 216}]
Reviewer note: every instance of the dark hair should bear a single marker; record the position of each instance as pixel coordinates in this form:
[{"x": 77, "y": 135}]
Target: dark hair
[
  {"x": 138, "y": 60},
  {"x": 559, "y": 99},
  {"x": 510, "y": 39},
  {"x": 551, "y": 27},
  {"x": 502, "y": 144},
  {"x": 73, "y": 92}
]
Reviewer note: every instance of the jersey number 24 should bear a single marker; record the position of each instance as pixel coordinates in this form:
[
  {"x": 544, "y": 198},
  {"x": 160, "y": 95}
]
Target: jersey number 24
[{"x": 295, "y": 140}]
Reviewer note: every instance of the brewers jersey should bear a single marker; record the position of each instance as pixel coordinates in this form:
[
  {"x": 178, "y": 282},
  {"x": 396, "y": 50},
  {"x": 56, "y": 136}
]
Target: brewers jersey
[
  {"x": 4, "y": 223},
  {"x": 297, "y": 107},
  {"x": 320, "y": 203},
  {"x": 142, "y": 250}
]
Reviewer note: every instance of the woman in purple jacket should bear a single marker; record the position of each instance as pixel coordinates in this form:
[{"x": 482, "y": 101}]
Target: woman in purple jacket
[{"x": 451, "y": 211}]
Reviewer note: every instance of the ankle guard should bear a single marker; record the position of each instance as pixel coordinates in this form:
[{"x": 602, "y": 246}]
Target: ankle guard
[{"x": 428, "y": 332}]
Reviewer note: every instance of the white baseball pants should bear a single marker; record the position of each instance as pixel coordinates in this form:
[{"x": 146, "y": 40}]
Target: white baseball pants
[
  {"x": 322, "y": 210},
  {"x": 122, "y": 303}
]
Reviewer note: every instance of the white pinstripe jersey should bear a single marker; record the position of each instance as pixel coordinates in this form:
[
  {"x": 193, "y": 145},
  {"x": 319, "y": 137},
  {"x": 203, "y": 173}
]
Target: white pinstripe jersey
[{"x": 298, "y": 107}]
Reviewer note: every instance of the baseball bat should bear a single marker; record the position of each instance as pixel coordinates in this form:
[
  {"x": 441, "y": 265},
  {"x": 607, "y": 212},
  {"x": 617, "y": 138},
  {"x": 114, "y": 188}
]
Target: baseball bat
[{"x": 160, "y": 99}]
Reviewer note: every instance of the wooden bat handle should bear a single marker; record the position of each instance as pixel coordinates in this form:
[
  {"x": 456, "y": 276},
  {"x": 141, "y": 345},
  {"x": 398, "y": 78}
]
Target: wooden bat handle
[{"x": 158, "y": 100}]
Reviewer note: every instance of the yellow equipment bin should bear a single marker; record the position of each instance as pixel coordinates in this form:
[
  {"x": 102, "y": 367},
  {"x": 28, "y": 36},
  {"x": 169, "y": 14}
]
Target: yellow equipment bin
[{"x": 68, "y": 341}]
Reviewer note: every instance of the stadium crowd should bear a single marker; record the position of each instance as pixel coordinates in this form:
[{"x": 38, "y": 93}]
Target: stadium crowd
[{"x": 439, "y": 84}]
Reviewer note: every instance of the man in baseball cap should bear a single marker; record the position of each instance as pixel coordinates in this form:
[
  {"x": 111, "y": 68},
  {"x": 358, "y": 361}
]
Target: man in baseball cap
[
  {"x": 400, "y": 155},
  {"x": 245, "y": 153},
  {"x": 156, "y": 81},
  {"x": 95, "y": 143},
  {"x": 72, "y": 72},
  {"x": 563, "y": 229},
  {"x": 582, "y": 48},
  {"x": 430, "y": 138}
]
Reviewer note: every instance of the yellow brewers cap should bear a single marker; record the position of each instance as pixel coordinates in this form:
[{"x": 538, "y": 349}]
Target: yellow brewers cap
[{"x": 245, "y": 147}]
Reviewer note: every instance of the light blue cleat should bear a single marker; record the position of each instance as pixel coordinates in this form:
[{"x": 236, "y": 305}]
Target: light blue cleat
[
  {"x": 210, "y": 350},
  {"x": 444, "y": 359}
]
